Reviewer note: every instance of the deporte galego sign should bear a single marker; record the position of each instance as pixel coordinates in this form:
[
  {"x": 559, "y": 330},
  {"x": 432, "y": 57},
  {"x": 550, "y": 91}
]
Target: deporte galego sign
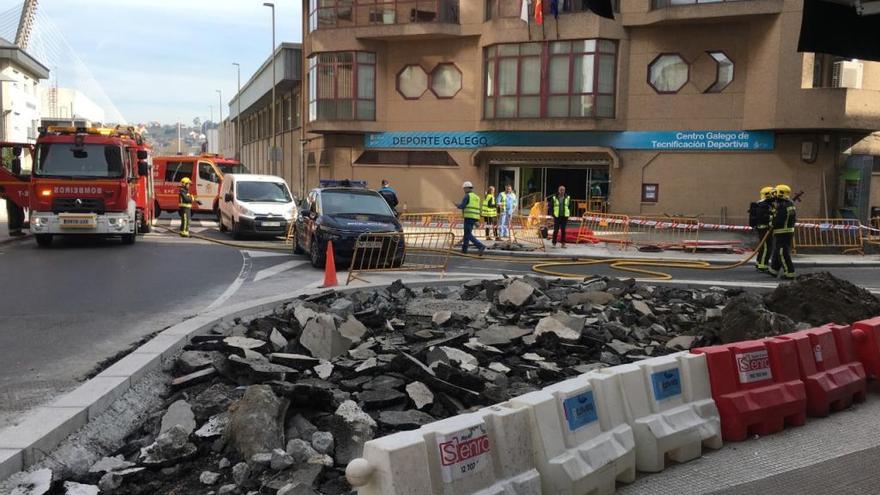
[{"x": 626, "y": 140}]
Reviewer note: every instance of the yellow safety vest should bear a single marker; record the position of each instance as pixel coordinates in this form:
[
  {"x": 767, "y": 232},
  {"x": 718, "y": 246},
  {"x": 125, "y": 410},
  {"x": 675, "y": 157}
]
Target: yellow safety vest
[
  {"x": 566, "y": 211},
  {"x": 472, "y": 208},
  {"x": 489, "y": 209}
]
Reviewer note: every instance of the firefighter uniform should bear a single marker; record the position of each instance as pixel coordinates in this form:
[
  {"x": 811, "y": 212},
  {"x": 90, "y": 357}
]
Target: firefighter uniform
[
  {"x": 490, "y": 215},
  {"x": 784, "y": 219},
  {"x": 760, "y": 214},
  {"x": 185, "y": 203}
]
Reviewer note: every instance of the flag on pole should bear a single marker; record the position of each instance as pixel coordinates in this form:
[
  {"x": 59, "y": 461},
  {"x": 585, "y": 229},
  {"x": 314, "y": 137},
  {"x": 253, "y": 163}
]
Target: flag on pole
[
  {"x": 524, "y": 11},
  {"x": 554, "y": 8},
  {"x": 539, "y": 12}
]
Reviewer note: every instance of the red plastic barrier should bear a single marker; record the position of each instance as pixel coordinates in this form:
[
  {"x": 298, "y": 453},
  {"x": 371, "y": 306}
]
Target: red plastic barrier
[
  {"x": 866, "y": 335},
  {"x": 834, "y": 379},
  {"x": 757, "y": 388}
]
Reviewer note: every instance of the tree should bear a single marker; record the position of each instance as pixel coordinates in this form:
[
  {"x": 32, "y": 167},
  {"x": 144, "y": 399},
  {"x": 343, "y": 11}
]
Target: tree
[{"x": 197, "y": 122}]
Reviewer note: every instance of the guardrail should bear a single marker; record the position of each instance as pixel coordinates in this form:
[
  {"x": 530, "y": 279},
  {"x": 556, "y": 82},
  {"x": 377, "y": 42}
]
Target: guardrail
[
  {"x": 526, "y": 230},
  {"x": 400, "y": 252},
  {"x": 840, "y": 233}
]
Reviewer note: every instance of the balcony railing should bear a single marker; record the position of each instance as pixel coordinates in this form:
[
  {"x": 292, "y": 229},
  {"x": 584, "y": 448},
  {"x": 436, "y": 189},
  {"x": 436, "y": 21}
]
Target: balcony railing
[
  {"x": 659, "y": 4},
  {"x": 357, "y": 13}
]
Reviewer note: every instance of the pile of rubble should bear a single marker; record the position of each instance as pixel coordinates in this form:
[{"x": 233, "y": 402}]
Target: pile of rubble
[{"x": 282, "y": 403}]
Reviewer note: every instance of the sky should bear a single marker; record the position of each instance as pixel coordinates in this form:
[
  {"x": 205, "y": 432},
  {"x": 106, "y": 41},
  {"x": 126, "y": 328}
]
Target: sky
[{"x": 163, "y": 60}]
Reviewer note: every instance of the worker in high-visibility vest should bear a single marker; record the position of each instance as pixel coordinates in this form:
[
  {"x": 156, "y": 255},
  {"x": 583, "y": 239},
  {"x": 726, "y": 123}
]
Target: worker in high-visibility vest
[
  {"x": 507, "y": 203},
  {"x": 185, "y": 203},
  {"x": 560, "y": 208},
  {"x": 470, "y": 207},
  {"x": 490, "y": 215}
]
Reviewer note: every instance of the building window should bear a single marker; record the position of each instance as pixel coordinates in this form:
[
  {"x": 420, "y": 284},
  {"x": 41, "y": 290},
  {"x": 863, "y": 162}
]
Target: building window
[
  {"x": 412, "y": 82},
  {"x": 342, "y": 86},
  {"x": 561, "y": 79},
  {"x": 723, "y": 72},
  {"x": 445, "y": 80},
  {"x": 650, "y": 193},
  {"x": 287, "y": 116},
  {"x": 327, "y": 14},
  {"x": 668, "y": 73}
]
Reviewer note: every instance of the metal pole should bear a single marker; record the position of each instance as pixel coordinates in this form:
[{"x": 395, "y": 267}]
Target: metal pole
[
  {"x": 273, "y": 154},
  {"x": 238, "y": 118},
  {"x": 220, "y": 128}
]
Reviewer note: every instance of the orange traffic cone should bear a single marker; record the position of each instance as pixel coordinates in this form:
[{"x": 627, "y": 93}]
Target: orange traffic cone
[{"x": 330, "y": 268}]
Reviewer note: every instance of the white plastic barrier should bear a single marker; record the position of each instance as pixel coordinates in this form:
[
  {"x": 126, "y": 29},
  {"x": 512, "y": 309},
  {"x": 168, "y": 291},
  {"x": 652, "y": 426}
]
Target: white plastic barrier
[
  {"x": 582, "y": 442},
  {"x": 668, "y": 402},
  {"x": 485, "y": 453}
]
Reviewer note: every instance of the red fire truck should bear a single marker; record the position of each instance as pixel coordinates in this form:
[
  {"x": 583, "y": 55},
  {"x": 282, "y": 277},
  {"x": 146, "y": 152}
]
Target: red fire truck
[
  {"x": 85, "y": 181},
  {"x": 144, "y": 196},
  {"x": 206, "y": 172}
]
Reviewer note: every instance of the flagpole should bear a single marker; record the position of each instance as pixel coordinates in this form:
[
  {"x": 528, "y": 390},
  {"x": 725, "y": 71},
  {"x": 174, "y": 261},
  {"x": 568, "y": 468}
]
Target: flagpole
[{"x": 526, "y": 3}]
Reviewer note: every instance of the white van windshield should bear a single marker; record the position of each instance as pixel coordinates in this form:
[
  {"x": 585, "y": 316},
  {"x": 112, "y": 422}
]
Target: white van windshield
[{"x": 262, "y": 192}]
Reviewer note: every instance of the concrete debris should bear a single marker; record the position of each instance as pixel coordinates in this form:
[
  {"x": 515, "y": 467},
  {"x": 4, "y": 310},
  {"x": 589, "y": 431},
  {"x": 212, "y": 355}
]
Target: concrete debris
[
  {"x": 322, "y": 442},
  {"x": 516, "y": 294},
  {"x": 374, "y": 362},
  {"x": 322, "y": 338},
  {"x": 681, "y": 343},
  {"x": 819, "y": 298},
  {"x": 255, "y": 426},
  {"x": 551, "y": 324},
  {"x": 420, "y": 394},
  {"x": 107, "y": 464},
  {"x": 179, "y": 414},
  {"x": 72, "y": 488},
  {"x": 208, "y": 478},
  {"x": 34, "y": 483}
]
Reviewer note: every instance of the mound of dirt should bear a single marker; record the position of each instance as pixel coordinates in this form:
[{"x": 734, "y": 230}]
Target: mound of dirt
[
  {"x": 745, "y": 318},
  {"x": 820, "y": 298}
]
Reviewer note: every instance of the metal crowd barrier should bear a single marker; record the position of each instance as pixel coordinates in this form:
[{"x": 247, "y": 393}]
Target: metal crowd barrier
[
  {"x": 665, "y": 232},
  {"x": 526, "y": 230},
  {"x": 421, "y": 223},
  {"x": 873, "y": 229},
  {"x": 839, "y": 233},
  {"x": 604, "y": 227},
  {"x": 400, "y": 252}
]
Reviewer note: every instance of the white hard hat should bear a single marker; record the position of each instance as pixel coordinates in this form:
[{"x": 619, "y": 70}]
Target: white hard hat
[{"x": 467, "y": 183}]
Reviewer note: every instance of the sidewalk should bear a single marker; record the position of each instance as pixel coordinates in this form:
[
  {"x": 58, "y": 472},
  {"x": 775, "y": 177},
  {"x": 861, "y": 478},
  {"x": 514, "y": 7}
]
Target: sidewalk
[
  {"x": 613, "y": 251},
  {"x": 4, "y": 226}
]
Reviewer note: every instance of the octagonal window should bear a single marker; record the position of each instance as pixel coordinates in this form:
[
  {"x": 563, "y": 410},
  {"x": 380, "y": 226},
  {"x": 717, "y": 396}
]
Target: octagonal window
[
  {"x": 723, "y": 72},
  {"x": 668, "y": 73},
  {"x": 412, "y": 82},
  {"x": 446, "y": 80}
]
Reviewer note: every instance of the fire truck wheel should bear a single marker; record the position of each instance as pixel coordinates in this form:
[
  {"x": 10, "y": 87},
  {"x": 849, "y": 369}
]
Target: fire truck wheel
[{"x": 44, "y": 240}]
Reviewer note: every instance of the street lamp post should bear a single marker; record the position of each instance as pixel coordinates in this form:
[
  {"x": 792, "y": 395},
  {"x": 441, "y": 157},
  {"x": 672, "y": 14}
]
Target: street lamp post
[
  {"x": 273, "y": 155},
  {"x": 238, "y": 117},
  {"x": 220, "y": 127}
]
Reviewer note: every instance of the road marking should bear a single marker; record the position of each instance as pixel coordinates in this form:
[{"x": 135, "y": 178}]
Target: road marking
[
  {"x": 235, "y": 285},
  {"x": 280, "y": 268},
  {"x": 264, "y": 254}
]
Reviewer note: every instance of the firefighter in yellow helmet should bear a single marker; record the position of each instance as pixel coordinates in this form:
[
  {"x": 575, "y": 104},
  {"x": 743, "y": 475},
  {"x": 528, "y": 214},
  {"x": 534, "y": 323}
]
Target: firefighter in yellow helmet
[
  {"x": 185, "y": 203},
  {"x": 784, "y": 219},
  {"x": 760, "y": 213}
]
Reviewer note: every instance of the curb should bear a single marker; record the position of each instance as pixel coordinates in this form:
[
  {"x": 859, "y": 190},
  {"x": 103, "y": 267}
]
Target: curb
[{"x": 42, "y": 429}]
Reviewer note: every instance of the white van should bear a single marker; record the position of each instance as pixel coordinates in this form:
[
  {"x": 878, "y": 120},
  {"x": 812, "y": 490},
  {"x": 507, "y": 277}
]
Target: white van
[{"x": 255, "y": 204}]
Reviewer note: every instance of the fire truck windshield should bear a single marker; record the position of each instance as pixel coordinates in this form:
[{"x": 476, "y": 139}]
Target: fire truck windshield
[
  {"x": 88, "y": 160},
  {"x": 232, "y": 168}
]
